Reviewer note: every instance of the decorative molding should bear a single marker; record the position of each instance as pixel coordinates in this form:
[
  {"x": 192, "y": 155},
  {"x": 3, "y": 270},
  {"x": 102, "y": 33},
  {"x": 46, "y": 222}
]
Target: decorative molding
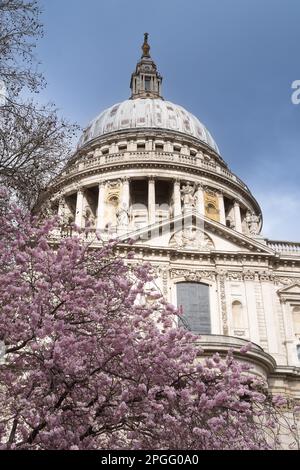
[
  {"x": 221, "y": 277},
  {"x": 191, "y": 238},
  {"x": 250, "y": 275},
  {"x": 234, "y": 276},
  {"x": 262, "y": 328},
  {"x": 192, "y": 275}
]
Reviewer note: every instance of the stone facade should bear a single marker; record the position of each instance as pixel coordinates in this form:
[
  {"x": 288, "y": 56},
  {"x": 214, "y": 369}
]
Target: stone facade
[{"x": 155, "y": 175}]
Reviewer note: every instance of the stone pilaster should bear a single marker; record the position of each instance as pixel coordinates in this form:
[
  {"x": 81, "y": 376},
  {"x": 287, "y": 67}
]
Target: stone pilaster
[{"x": 200, "y": 200}]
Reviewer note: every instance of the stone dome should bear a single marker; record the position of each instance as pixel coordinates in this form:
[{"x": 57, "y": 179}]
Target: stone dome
[{"x": 144, "y": 113}]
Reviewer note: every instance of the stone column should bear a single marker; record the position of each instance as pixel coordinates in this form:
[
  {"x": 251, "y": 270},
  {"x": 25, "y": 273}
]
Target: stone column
[
  {"x": 101, "y": 207},
  {"x": 221, "y": 208},
  {"x": 177, "y": 198},
  {"x": 200, "y": 200},
  {"x": 123, "y": 210},
  {"x": 79, "y": 208},
  {"x": 125, "y": 193},
  {"x": 151, "y": 200},
  {"x": 237, "y": 217}
]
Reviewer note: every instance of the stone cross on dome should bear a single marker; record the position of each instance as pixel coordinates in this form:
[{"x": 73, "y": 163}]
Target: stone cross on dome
[{"x": 146, "y": 81}]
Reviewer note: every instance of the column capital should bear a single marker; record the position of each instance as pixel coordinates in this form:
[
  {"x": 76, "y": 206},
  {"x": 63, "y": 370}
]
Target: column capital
[
  {"x": 237, "y": 202},
  {"x": 126, "y": 179},
  {"x": 151, "y": 178},
  {"x": 220, "y": 192}
]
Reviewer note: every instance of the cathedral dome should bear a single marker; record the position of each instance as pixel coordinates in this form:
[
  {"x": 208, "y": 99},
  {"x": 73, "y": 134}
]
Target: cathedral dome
[{"x": 144, "y": 113}]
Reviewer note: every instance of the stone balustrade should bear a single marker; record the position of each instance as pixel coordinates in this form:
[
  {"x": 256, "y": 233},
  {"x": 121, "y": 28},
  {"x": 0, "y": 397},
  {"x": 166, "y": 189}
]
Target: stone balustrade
[
  {"x": 155, "y": 156},
  {"x": 284, "y": 247}
]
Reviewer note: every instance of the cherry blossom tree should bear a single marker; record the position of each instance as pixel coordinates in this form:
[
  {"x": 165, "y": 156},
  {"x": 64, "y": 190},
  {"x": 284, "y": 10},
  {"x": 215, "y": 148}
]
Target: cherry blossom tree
[{"x": 89, "y": 363}]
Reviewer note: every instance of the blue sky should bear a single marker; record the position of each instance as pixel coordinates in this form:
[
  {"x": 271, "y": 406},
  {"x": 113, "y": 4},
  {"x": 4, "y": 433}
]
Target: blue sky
[{"x": 229, "y": 62}]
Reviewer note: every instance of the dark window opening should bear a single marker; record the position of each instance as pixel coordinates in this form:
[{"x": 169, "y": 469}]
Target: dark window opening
[
  {"x": 193, "y": 299},
  {"x": 163, "y": 192},
  {"x": 147, "y": 83},
  {"x": 141, "y": 146},
  {"x": 139, "y": 192}
]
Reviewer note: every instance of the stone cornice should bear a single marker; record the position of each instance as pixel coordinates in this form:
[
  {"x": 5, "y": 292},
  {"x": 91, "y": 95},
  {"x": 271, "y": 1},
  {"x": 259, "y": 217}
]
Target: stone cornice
[
  {"x": 222, "y": 344},
  {"x": 215, "y": 257}
]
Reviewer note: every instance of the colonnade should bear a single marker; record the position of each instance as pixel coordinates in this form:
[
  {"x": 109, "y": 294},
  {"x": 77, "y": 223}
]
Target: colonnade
[{"x": 197, "y": 202}]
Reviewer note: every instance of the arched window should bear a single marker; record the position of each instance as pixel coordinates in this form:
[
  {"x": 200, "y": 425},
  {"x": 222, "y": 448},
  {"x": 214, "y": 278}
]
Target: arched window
[
  {"x": 193, "y": 298},
  {"x": 237, "y": 314},
  {"x": 296, "y": 320}
]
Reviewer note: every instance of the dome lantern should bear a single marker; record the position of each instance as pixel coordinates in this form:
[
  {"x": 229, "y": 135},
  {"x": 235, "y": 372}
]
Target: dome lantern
[{"x": 146, "y": 81}]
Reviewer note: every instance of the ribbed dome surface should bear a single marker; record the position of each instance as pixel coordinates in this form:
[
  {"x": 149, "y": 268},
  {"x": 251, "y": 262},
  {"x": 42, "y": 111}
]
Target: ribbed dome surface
[{"x": 147, "y": 113}]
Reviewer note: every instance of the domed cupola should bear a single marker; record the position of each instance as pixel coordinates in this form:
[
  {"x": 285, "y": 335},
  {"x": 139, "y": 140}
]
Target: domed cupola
[
  {"x": 147, "y": 160},
  {"x": 147, "y": 109}
]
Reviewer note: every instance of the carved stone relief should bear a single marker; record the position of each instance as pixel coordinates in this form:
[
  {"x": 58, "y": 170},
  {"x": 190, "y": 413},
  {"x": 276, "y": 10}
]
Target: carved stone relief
[{"x": 191, "y": 238}]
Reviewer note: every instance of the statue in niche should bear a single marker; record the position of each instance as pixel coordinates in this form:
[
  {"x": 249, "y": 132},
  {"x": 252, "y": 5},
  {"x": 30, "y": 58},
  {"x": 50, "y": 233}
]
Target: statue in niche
[
  {"x": 122, "y": 215},
  {"x": 188, "y": 196},
  {"x": 252, "y": 221}
]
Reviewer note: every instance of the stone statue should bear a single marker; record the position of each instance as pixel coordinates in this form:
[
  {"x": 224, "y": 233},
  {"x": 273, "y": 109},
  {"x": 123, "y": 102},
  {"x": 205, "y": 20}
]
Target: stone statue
[
  {"x": 252, "y": 221},
  {"x": 189, "y": 237},
  {"x": 122, "y": 215},
  {"x": 188, "y": 196},
  {"x": 89, "y": 218}
]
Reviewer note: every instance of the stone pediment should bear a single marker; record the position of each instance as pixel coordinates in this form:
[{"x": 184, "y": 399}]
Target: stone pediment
[
  {"x": 290, "y": 293},
  {"x": 294, "y": 288},
  {"x": 195, "y": 233}
]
